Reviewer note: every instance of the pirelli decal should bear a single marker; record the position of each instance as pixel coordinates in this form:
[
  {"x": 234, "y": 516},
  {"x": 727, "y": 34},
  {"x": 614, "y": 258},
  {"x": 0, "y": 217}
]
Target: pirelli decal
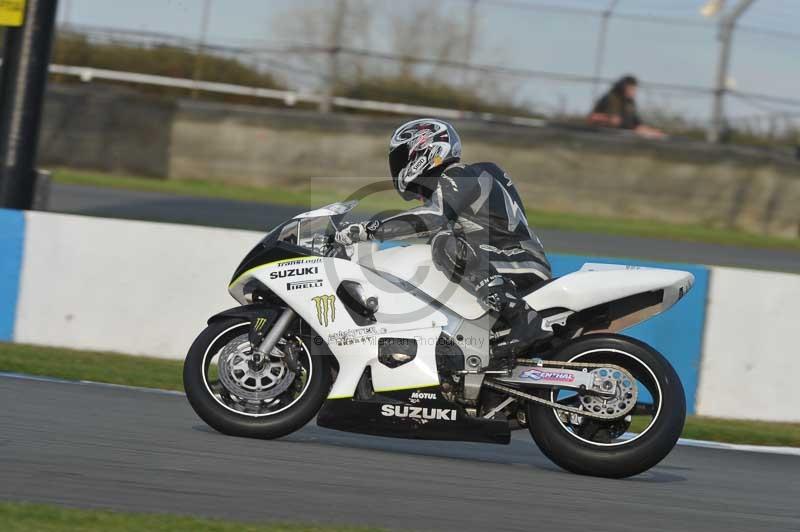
[{"x": 326, "y": 309}]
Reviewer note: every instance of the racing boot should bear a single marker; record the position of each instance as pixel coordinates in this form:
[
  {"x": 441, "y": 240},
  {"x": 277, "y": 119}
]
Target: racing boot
[
  {"x": 526, "y": 330},
  {"x": 526, "y": 325}
]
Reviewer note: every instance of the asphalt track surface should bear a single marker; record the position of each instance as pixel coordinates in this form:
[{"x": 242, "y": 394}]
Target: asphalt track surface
[
  {"x": 99, "y": 446},
  {"x": 119, "y": 203}
]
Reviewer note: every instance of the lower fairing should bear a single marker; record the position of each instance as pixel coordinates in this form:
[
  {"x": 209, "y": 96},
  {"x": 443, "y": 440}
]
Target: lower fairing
[{"x": 415, "y": 414}]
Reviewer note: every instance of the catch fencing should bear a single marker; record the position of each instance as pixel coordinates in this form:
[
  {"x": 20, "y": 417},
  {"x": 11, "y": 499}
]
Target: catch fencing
[{"x": 554, "y": 57}]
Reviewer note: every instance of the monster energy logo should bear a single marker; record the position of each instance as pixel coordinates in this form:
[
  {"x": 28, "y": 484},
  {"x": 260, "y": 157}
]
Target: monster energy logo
[
  {"x": 260, "y": 322},
  {"x": 326, "y": 309}
]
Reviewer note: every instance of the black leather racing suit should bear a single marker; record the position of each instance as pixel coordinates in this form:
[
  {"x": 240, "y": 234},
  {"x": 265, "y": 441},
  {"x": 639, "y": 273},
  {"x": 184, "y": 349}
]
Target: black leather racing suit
[{"x": 480, "y": 237}]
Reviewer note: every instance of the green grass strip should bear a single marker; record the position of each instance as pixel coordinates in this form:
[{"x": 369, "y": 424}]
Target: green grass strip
[
  {"x": 304, "y": 195},
  {"x": 26, "y": 517},
  {"x": 743, "y": 431},
  {"x": 166, "y": 374},
  {"x": 95, "y": 366}
]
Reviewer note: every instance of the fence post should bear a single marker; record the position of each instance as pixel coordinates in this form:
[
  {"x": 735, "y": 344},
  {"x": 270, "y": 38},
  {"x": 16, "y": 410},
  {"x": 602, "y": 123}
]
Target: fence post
[
  {"x": 470, "y": 38},
  {"x": 726, "y": 26},
  {"x": 601, "y": 46},
  {"x": 334, "y": 47},
  {"x": 199, "y": 54}
]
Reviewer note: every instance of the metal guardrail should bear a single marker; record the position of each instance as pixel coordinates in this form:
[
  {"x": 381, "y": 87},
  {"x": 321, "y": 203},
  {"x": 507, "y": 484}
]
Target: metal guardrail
[{"x": 289, "y": 98}]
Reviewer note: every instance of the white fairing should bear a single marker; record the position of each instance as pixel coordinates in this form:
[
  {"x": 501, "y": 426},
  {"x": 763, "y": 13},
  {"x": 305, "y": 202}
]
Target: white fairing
[
  {"x": 596, "y": 284},
  {"x": 309, "y": 286},
  {"x": 593, "y": 285},
  {"x": 413, "y": 264},
  {"x": 400, "y": 315}
]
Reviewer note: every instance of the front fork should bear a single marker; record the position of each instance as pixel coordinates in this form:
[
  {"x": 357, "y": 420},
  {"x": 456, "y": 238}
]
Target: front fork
[{"x": 265, "y": 338}]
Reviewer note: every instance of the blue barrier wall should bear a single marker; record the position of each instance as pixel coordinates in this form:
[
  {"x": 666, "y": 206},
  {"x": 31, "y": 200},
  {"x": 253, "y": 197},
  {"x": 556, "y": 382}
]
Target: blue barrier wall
[
  {"x": 12, "y": 240},
  {"x": 678, "y": 333}
]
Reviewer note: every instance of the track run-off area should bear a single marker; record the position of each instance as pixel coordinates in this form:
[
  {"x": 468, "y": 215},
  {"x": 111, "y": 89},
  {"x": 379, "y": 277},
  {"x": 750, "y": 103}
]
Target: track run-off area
[
  {"x": 159, "y": 207},
  {"x": 102, "y": 446}
]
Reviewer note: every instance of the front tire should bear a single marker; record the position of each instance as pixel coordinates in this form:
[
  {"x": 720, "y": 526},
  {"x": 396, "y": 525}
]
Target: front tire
[
  {"x": 600, "y": 454},
  {"x": 210, "y": 400}
]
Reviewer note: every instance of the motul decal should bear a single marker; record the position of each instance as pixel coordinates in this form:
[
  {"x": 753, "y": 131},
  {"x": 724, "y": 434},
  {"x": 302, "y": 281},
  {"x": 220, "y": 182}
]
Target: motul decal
[{"x": 423, "y": 395}]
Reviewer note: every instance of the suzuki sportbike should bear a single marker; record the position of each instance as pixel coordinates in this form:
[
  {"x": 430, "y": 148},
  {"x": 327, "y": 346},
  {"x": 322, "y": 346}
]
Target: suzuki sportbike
[{"x": 372, "y": 338}]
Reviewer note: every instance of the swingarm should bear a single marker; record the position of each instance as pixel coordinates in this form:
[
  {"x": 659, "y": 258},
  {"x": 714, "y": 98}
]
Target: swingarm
[{"x": 603, "y": 391}]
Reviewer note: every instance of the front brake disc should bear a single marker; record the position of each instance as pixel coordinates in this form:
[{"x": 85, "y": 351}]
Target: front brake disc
[{"x": 252, "y": 383}]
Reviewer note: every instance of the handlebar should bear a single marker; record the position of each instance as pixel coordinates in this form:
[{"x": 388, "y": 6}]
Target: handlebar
[{"x": 332, "y": 247}]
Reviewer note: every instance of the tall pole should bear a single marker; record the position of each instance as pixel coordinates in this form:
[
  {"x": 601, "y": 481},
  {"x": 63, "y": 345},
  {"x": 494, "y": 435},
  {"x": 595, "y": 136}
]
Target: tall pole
[
  {"x": 66, "y": 16},
  {"x": 25, "y": 62},
  {"x": 726, "y": 26},
  {"x": 334, "y": 47},
  {"x": 469, "y": 45},
  {"x": 197, "y": 73},
  {"x": 600, "y": 51}
]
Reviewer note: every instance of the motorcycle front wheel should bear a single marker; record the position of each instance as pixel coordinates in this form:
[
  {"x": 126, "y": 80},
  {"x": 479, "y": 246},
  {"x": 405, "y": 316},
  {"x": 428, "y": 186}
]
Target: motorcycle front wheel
[
  {"x": 615, "y": 448},
  {"x": 239, "y": 398}
]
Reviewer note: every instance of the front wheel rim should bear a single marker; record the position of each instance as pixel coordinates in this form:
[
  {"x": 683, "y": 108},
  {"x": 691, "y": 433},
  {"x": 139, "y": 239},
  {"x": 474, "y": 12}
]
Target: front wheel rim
[
  {"x": 658, "y": 397},
  {"x": 218, "y": 392}
]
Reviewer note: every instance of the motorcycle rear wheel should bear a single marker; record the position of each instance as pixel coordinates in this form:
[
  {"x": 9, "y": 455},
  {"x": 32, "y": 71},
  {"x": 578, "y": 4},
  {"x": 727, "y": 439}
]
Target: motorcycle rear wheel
[{"x": 600, "y": 448}]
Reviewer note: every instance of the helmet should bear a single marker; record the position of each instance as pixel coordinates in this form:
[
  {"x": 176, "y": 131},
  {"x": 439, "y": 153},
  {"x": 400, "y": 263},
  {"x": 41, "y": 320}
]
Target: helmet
[{"x": 418, "y": 151}]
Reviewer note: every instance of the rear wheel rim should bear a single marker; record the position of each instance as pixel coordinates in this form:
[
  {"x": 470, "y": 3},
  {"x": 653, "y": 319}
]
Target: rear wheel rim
[
  {"x": 226, "y": 397},
  {"x": 641, "y": 371}
]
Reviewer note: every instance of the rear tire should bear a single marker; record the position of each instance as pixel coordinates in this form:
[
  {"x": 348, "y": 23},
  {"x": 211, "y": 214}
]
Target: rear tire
[
  {"x": 613, "y": 460},
  {"x": 233, "y": 423}
]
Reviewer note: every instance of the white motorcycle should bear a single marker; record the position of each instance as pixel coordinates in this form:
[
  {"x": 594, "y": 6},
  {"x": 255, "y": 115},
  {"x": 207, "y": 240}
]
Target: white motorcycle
[{"x": 376, "y": 340}]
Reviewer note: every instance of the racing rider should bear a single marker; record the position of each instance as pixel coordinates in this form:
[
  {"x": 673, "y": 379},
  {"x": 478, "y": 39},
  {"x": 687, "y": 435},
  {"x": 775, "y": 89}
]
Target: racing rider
[{"x": 475, "y": 221}]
